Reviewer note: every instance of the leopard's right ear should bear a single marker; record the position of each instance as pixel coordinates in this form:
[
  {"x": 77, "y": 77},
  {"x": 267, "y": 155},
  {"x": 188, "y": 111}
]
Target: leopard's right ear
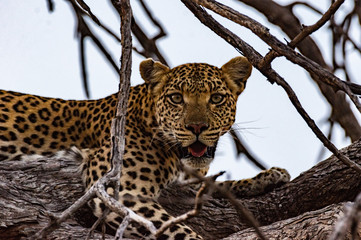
[{"x": 154, "y": 74}]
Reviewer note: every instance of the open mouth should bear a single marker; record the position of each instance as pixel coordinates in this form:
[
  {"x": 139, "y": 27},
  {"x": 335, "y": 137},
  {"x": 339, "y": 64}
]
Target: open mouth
[
  {"x": 198, "y": 149},
  {"x": 197, "y": 155}
]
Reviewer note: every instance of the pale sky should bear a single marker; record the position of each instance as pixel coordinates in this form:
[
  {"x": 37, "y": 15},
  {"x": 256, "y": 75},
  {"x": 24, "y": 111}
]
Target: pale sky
[{"x": 39, "y": 55}]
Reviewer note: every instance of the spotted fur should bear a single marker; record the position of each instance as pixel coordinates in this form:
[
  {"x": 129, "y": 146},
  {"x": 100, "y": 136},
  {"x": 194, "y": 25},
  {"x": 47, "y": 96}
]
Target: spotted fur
[{"x": 175, "y": 118}]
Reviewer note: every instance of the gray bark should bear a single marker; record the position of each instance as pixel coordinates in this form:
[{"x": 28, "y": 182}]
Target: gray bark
[{"x": 31, "y": 188}]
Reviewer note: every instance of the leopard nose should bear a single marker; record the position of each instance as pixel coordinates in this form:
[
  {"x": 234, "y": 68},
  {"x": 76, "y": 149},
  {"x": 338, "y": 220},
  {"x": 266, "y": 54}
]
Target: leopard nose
[{"x": 197, "y": 128}]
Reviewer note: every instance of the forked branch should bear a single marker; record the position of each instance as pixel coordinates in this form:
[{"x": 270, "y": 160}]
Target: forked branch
[
  {"x": 256, "y": 59},
  {"x": 281, "y": 48}
]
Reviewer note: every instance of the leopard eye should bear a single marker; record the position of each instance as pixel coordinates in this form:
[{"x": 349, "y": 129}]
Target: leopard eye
[
  {"x": 176, "y": 98},
  {"x": 217, "y": 98}
]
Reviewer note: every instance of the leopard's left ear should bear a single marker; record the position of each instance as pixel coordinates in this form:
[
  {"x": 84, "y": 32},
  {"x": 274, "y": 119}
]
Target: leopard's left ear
[
  {"x": 236, "y": 72},
  {"x": 154, "y": 74}
]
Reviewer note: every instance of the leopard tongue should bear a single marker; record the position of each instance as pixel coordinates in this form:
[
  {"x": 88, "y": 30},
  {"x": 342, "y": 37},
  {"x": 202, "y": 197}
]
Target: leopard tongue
[{"x": 197, "y": 149}]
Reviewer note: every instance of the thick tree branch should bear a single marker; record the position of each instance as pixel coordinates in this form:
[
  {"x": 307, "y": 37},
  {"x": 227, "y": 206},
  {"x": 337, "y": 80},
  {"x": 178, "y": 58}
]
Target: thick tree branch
[
  {"x": 314, "y": 225},
  {"x": 43, "y": 185},
  {"x": 350, "y": 221}
]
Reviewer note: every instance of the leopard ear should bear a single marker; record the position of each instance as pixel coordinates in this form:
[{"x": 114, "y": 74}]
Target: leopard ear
[
  {"x": 153, "y": 73},
  {"x": 236, "y": 72}
]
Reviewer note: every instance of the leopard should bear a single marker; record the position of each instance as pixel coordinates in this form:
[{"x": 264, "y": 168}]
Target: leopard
[{"x": 174, "y": 120}]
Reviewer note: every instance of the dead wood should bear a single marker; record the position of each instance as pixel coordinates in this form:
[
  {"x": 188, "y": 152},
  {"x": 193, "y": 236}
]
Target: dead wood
[
  {"x": 31, "y": 188},
  {"x": 314, "y": 225}
]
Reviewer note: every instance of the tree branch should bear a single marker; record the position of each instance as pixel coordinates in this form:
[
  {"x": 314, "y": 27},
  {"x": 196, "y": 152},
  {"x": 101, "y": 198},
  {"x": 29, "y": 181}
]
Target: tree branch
[
  {"x": 314, "y": 225},
  {"x": 327, "y": 183},
  {"x": 53, "y": 184},
  {"x": 282, "y": 49},
  {"x": 256, "y": 59},
  {"x": 283, "y": 17},
  {"x": 306, "y": 30}
]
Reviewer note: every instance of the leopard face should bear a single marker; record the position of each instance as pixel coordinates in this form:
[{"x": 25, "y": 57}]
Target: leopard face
[{"x": 195, "y": 104}]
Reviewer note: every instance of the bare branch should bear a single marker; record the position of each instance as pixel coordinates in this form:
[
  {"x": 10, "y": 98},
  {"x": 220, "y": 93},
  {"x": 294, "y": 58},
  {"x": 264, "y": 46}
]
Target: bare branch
[
  {"x": 255, "y": 58},
  {"x": 293, "y": 4},
  {"x": 50, "y": 5},
  {"x": 307, "y": 30},
  {"x": 197, "y": 181},
  {"x": 84, "y": 32},
  {"x": 283, "y": 17},
  {"x": 118, "y": 208},
  {"x": 278, "y": 46},
  {"x": 150, "y": 48},
  {"x": 84, "y": 71},
  {"x": 118, "y": 124},
  {"x": 87, "y": 11},
  {"x": 355, "y": 88},
  {"x": 154, "y": 21},
  {"x": 120, "y": 231},
  {"x": 149, "y": 45}
]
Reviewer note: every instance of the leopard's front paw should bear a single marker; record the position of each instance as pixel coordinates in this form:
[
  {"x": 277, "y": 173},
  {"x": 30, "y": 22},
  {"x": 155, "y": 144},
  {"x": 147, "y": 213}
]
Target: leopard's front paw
[
  {"x": 265, "y": 181},
  {"x": 274, "y": 177}
]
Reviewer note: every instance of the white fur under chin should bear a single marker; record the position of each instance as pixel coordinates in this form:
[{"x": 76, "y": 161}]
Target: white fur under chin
[{"x": 197, "y": 162}]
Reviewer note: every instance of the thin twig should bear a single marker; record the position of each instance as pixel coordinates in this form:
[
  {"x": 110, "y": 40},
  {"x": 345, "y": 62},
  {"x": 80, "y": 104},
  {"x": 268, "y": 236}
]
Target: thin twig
[
  {"x": 154, "y": 21},
  {"x": 87, "y": 11},
  {"x": 50, "y": 5},
  {"x": 293, "y": 4},
  {"x": 242, "y": 149},
  {"x": 84, "y": 32},
  {"x": 150, "y": 48},
  {"x": 120, "y": 231},
  {"x": 84, "y": 72},
  {"x": 329, "y": 137}
]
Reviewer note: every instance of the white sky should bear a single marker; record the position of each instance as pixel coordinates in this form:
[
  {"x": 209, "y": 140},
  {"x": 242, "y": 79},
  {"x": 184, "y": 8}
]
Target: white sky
[{"x": 39, "y": 55}]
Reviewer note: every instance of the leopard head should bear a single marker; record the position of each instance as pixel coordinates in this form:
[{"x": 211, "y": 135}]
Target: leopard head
[{"x": 195, "y": 104}]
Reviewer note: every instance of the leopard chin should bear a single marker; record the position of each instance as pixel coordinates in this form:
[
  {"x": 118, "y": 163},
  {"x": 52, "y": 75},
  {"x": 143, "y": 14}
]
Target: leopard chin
[
  {"x": 197, "y": 155},
  {"x": 197, "y": 162}
]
